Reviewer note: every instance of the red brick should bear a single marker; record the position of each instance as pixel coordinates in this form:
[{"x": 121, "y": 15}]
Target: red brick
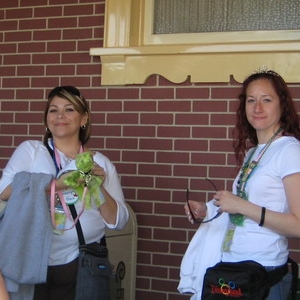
[
  {"x": 62, "y": 69},
  {"x": 210, "y": 106},
  {"x": 139, "y": 131},
  {"x": 18, "y": 36},
  {"x": 61, "y": 46},
  {"x": 190, "y": 145},
  {"x": 8, "y": 25},
  {"x": 90, "y": 21},
  {"x": 36, "y": 131},
  {"x": 122, "y": 93},
  {"x": 178, "y": 106},
  {"x": 45, "y": 82},
  {"x": 14, "y": 129},
  {"x": 19, "y": 13},
  {"x": 157, "y": 93},
  {"x": 68, "y": 22},
  {"x": 149, "y": 169},
  {"x": 48, "y": 11},
  {"x": 172, "y": 157},
  {"x": 6, "y": 94},
  {"x": 32, "y": 47},
  {"x": 75, "y": 58},
  {"x": 14, "y": 106},
  {"x": 145, "y": 156},
  {"x": 11, "y": 3},
  {"x": 225, "y": 93},
  {"x": 8, "y": 48},
  {"x": 173, "y": 131},
  {"x": 16, "y": 59},
  {"x": 6, "y": 118},
  {"x": 105, "y": 130},
  {"x": 33, "y": 24},
  {"x": 139, "y": 105},
  {"x": 131, "y": 181},
  {"x": 106, "y": 106},
  {"x": 211, "y": 132},
  {"x": 192, "y": 93},
  {"x": 62, "y": 2},
  {"x": 148, "y": 195},
  {"x": 7, "y": 71},
  {"x": 209, "y": 158},
  {"x": 99, "y": 7},
  {"x": 75, "y": 10},
  {"x": 223, "y": 119},
  {"x": 30, "y": 71},
  {"x": 128, "y": 143},
  {"x": 46, "y": 35},
  {"x": 77, "y": 34},
  {"x": 15, "y": 82},
  {"x": 28, "y": 118},
  {"x": 33, "y": 2},
  {"x": 155, "y": 118},
  {"x": 155, "y": 144},
  {"x": 192, "y": 119}
]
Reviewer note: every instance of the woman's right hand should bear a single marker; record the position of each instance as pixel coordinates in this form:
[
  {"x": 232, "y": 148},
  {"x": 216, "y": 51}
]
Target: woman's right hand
[
  {"x": 198, "y": 209},
  {"x": 6, "y": 193}
]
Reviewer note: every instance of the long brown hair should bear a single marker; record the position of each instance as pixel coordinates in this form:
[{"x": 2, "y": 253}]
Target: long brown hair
[
  {"x": 244, "y": 134},
  {"x": 73, "y": 95}
]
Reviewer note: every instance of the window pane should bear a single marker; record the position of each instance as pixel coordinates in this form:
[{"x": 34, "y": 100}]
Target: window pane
[{"x": 192, "y": 16}]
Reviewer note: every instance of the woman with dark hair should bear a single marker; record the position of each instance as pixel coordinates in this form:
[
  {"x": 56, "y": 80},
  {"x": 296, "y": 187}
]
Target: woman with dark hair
[
  {"x": 67, "y": 119},
  {"x": 263, "y": 207},
  {"x": 289, "y": 120}
]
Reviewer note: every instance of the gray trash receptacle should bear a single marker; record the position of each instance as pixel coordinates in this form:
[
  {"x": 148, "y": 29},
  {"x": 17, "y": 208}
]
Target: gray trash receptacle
[{"x": 122, "y": 246}]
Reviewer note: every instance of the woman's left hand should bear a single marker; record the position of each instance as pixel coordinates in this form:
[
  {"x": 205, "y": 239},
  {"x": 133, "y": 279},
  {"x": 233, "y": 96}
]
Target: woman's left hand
[
  {"x": 227, "y": 202},
  {"x": 98, "y": 171}
]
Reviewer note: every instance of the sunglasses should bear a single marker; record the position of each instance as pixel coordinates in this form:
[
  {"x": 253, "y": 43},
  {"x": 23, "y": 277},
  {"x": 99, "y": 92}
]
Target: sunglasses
[
  {"x": 190, "y": 210},
  {"x": 68, "y": 88}
]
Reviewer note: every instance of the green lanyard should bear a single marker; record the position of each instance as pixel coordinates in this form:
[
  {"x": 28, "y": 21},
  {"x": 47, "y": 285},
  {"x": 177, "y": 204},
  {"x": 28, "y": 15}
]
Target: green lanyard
[{"x": 246, "y": 171}]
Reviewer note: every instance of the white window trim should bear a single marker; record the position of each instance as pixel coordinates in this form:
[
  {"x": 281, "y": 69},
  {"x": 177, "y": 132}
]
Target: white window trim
[{"x": 131, "y": 53}]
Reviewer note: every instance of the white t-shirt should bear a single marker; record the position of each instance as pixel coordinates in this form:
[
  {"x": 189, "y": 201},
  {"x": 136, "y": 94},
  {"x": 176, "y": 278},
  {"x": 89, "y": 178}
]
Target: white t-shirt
[
  {"x": 265, "y": 188},
  {"x": 32, "y": 156}
]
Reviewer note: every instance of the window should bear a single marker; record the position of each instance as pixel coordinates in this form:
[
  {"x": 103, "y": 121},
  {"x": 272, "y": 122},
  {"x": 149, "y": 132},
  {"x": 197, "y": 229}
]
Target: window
[{"x": 138, "y": 41}]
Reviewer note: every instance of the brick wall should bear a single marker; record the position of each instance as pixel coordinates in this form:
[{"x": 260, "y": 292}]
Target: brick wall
[{"x": 162, "y": 137}]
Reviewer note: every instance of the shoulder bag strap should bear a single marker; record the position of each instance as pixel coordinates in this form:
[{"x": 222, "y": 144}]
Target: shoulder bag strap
[{"x": 78, "y": 225}]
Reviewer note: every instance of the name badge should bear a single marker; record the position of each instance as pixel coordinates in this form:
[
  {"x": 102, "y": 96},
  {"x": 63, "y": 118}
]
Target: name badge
[
  {"x": 60, "y": 220},
  {"x": 70, "y": 196}
]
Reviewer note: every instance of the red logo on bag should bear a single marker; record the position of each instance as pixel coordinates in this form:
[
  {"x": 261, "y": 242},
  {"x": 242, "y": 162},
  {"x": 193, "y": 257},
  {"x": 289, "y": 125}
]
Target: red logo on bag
[{"x": 227, "y": 289}]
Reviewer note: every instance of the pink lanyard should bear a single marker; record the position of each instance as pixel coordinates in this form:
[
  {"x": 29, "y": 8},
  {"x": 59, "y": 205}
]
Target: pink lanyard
[{"x": 61, "y": 196}]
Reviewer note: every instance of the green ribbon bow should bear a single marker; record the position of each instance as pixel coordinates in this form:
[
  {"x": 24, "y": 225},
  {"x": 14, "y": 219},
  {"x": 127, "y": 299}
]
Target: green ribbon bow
[{"x": 82, "y": 178}]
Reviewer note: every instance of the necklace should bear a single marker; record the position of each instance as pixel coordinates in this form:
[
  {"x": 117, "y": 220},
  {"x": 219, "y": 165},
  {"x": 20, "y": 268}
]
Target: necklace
[{"x": 246, "y": 171}]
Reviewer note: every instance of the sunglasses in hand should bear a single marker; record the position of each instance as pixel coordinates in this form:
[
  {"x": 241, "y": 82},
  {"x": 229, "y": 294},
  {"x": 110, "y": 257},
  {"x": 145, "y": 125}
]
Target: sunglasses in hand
[{"x": 200, "y": 220}]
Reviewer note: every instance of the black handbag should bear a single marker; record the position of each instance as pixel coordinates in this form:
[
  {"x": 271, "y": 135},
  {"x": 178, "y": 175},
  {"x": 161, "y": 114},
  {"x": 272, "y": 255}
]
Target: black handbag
[
  {"x": 95, "y": 249},
  {"x": 240, "y": 280},
  {"x": 94, "y": 269}
]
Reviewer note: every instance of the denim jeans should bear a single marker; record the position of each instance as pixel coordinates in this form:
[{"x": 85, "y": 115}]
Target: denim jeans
[{"x": 280, "y": 291}]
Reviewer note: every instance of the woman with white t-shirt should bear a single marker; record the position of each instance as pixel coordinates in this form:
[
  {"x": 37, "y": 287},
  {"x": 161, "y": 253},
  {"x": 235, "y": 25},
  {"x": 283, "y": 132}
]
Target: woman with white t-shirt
[
  {"x": 68, "y": 125},
  {"x": 263, "y": 206}
]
